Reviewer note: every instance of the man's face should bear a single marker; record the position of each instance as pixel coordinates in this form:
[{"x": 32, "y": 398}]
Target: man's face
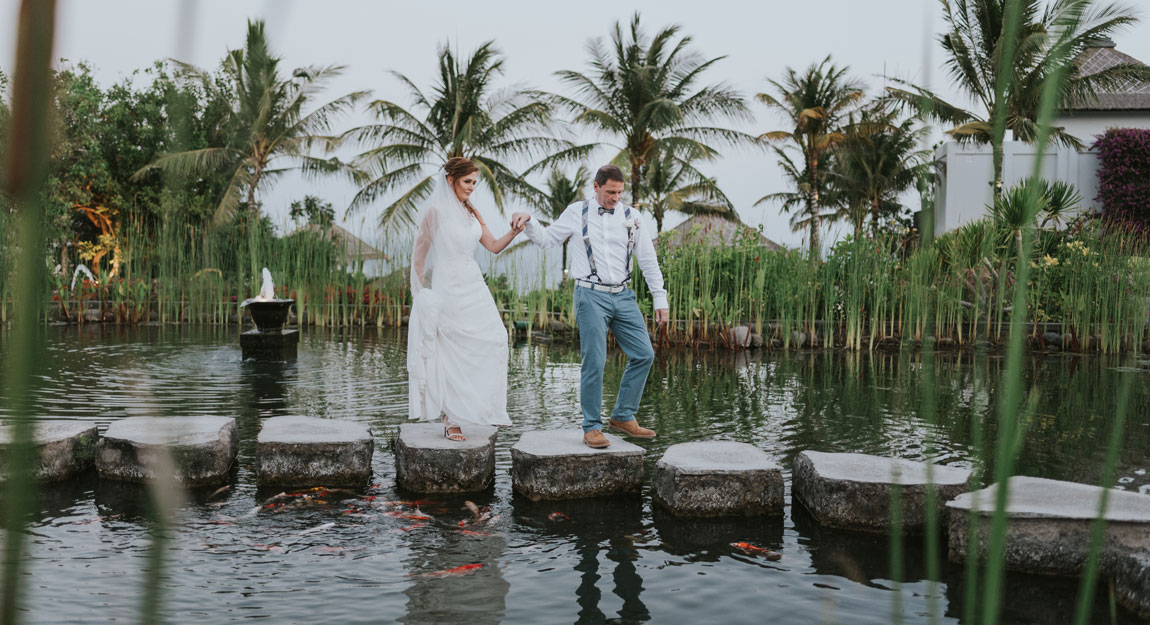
[{"x": 609, "y": 193}]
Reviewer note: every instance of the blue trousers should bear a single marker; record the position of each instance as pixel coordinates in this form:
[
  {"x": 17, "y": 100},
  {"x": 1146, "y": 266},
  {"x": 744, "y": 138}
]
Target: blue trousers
[{"x": 596, "y": 312}]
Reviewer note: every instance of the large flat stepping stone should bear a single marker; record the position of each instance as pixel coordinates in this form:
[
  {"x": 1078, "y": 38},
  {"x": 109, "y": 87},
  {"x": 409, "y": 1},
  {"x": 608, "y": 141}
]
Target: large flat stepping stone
[
  {"x": 427, "y": 462},
  {"x": 202, "y": 449},
  {"x": 853, "y": 491},
  {"x": 718, "y": 478},
  {"x": 1132, "y": 583},
  {"x": 555, "y": 464},
  {"x": 1049, "y": 524},
  {"x": 301, "y": 451},
  {"x": 63, "y": 448}
]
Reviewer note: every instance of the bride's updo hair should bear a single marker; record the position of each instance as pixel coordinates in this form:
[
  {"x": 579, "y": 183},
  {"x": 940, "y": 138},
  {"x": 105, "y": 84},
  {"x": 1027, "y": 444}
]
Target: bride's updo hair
[{"x": 457, "y": 167}]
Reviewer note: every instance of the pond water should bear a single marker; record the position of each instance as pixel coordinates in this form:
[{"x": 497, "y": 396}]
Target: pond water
[{"x": 600, "y": 561}]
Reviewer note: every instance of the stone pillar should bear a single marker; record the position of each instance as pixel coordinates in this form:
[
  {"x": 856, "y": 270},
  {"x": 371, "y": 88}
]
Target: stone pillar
[
  {"x": 718, "y": 478},
  {"x": 300, "y": 451},
  {"x": 427, "y": 462},
  {"x": 277, "y": 345},
  {"x": 853, "y": 491},
  {"x": 555, "y": 464},
  {"x": 202, "y": 449},
  {"x": 63, "y": 448}
]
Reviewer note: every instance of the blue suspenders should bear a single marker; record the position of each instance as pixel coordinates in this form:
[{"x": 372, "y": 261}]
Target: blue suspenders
[{"x": 587, "y": 244}]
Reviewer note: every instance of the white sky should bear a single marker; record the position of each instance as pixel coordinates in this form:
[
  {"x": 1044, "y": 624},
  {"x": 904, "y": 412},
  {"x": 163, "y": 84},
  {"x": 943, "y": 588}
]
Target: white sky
[{"x": 759, "y": 39}]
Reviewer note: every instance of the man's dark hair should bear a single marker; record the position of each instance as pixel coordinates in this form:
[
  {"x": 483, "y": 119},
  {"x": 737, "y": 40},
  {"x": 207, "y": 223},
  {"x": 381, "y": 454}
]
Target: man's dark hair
[{"x": 609, "y": 172}]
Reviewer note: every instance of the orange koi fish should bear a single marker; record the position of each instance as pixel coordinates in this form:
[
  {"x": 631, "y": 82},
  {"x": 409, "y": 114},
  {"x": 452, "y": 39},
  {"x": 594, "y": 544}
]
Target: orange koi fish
[
  {"x": 413, "y": 526},
  {"x": 558, "y": 516},
  {"x": 459, "y": 570},
  {"x": 755, "y": 550},
  {"x": 408, "y": 516}
]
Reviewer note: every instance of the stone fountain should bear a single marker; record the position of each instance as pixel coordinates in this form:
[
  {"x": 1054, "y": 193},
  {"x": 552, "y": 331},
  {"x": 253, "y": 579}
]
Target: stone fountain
[{"x": 269, "y": 340}]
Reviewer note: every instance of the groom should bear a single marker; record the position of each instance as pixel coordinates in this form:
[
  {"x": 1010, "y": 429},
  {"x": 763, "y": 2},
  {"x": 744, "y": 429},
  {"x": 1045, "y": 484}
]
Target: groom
[{"x": 610, "y": 233}]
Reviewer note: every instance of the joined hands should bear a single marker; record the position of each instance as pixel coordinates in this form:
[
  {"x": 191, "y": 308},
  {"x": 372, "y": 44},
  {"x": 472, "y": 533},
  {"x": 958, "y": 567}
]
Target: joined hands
[{"x": 519, "y": 221}]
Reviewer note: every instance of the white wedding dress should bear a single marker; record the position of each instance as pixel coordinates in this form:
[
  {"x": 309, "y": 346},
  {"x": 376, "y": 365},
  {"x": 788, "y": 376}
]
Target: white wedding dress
[{"x": 456, "y": 341}]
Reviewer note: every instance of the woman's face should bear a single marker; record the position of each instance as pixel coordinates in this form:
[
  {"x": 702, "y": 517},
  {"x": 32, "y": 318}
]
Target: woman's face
[{"x": 465, "y": 186}]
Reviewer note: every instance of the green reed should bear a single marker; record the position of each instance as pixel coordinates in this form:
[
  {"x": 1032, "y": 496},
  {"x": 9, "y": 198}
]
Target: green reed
[{"x": 25, "y": 172}]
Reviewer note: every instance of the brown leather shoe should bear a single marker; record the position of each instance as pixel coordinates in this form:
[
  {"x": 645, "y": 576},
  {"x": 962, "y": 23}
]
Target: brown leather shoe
[
  {"x": 631, "y": 428},
  {"x": 595, "y": 440}
]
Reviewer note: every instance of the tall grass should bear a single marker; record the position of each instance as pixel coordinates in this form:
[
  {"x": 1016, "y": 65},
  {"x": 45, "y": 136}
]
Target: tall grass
[
  {"x": 868, "y": 292},
  {"x": 24, "y": 173}
]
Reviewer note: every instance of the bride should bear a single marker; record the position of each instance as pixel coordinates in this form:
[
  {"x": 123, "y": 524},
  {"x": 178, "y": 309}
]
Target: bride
[{"x": 456, "y": 341}]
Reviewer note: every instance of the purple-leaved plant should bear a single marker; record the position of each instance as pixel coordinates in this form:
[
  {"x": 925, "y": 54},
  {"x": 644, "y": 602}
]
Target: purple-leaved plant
[{"x": 1124, "y": 177}]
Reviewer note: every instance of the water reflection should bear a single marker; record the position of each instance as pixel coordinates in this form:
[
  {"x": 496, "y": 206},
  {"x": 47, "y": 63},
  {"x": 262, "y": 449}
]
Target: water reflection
[
  {"x": 605, "y": 535},
  {"x": 445, "y": 584},
  {"x": 596, "y": 561},
  {"x": 708, "y": 540},
  {"x": 268, "y": 386},
  {"x": 476, "y": 597}
]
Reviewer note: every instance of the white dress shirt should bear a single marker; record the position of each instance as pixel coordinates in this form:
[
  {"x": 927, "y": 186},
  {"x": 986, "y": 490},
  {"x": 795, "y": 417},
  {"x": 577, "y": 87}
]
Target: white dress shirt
[{"x": 608, "y": 234}]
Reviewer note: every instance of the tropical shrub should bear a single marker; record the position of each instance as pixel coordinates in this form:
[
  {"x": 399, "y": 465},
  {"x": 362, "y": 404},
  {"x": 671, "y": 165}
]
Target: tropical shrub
[{"x": 1124, "y": 176}]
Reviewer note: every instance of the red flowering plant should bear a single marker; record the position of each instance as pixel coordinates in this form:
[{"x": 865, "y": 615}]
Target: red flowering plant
[{"x": 1124, "y": 177}]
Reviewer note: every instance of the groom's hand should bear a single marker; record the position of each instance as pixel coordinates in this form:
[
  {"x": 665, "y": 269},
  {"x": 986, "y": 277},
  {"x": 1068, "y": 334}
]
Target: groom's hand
[
  {"x": 519, "y": 220},
  {"x": 662, "y": 316}
]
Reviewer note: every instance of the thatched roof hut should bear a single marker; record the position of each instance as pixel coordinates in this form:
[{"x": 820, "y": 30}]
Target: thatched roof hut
[
  {"x": 713, "y": 230},
  {"x": 354, "y": 248}
]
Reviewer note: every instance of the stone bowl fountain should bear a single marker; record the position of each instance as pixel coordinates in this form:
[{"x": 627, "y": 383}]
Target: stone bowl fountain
[
  {"x": 270, "y": 316},
  {"x": 269, "y": 340}
]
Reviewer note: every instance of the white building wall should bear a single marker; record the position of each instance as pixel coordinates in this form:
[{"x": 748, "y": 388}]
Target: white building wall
[
  {"x": 1087, "y": 125},
  {"x": 964, "y": 190}
]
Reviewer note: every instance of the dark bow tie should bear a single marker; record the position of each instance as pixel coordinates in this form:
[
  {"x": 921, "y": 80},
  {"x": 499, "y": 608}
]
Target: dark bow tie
[{"x": 609, "y": 211}]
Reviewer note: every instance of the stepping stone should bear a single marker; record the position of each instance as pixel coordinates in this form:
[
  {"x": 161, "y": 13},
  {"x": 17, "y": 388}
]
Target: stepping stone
[
  {"x": 555, "y": 464},
  {"x": 1048, "y": 524},
  {"x": 1132, "y": 583},
  {"x": 427, "y": 462},
  {"x": 202, "y": 449},
  {"x": 302, "y": 451},
  {"x": 718, "y": 478},
  {"x": 63, "y": 448},
  {"x": 853, "y": 491}
]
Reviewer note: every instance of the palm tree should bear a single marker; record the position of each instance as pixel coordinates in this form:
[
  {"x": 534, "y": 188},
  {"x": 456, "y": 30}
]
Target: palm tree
[
  {"x": 878, "y": 159},
  {"x": 797, "y": 202},
  {"x": 265, "y": 126},
  {"x": 1048, "y": 41},
  {"x": 815, "y": 103},
  {"x": 673, "y": 184},
  {"x": 563, "y": 191},
  {"x": 462, "y": 116},
  {"x": 643, "y": 92}
]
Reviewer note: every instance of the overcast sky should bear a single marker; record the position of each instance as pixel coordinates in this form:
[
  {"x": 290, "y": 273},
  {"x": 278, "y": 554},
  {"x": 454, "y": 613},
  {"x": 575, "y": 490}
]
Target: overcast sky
[{"x": 759, "y": 40}]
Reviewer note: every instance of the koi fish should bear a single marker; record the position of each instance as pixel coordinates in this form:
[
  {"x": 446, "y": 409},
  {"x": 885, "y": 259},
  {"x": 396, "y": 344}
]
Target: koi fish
[
  {"x": 413, "y": 526},
  {"x": 755, "y": 550},
  {"x": 267, "y": 547},
  {"x": 411, "y": 504},
  {"x": 267, "y": 504},
  {"x": 318, "y": 528},
  {"x": 473, "y": 533},
  {"x": 409, "y": 516},
  {"x": 459, "y": 570},
  {"x": 219, "y": 491},
  {"x": 558, "y": 516}
]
